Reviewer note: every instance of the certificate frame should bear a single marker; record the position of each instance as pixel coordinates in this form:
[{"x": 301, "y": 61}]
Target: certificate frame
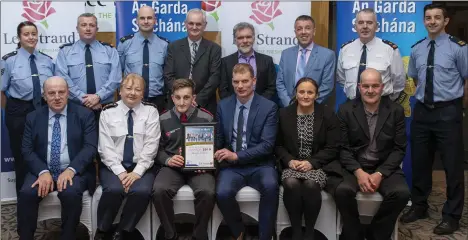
[{"x": 199, "y": 140}]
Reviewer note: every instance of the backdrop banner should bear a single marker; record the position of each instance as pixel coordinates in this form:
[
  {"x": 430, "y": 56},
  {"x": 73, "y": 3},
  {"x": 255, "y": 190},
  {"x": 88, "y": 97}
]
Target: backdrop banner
[{"x": 400, "y": 22}]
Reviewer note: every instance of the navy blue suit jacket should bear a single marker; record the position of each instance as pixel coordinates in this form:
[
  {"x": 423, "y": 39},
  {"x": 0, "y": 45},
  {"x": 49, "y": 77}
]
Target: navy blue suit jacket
[
  {"x": 81, "y": 140},
  {"x": 261, "y": 131}
]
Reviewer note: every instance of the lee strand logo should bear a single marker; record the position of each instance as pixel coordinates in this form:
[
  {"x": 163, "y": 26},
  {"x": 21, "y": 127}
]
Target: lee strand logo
[
  {"x": 211, "y": 7},
  {"x": 263, "y": 12},
  {"x": 38, "y": 11}
]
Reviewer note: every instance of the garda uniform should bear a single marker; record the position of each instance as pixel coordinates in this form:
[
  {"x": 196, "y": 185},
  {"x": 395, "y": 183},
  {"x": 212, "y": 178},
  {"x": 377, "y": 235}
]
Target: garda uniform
[
  {"x": 117, "y": 156},
  {"x": 382, "y": 55},
  {"x": 23, "y": 75},
  {"x": 133, "y": 60},
  {"x": 169, "y": 180},
  {"x": 104, "y": 69},
  {"x": 441, "y": 69}
]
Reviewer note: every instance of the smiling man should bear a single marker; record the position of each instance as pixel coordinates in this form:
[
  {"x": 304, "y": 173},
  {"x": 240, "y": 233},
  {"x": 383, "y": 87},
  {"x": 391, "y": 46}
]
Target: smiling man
[{"x": 369, "y": 51}]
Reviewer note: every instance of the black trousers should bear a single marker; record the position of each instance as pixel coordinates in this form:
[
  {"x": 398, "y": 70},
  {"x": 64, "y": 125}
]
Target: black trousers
[
  {"x": 70, "y": 200},
  {"x": 438, "y": 129},
  {"x": 168, "y": 182},
  {"x": 160, "y": 101},
  {"x": 395, "y": 193},
  {"x": 15, "y": 119},
  {"x": 113, "y": 194},
  {"x": 302, "y": 198}
]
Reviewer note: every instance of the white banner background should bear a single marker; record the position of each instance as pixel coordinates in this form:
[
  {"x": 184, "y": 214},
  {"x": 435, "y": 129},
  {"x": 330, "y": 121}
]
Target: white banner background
[{"x": 105, "y": 13}]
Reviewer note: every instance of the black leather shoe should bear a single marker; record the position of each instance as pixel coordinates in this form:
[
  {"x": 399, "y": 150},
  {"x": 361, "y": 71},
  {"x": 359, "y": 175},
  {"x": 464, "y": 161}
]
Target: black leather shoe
[
  {"x": 413, "y": 214},
  {"x": 100, "y": 235},
  {"x": 446, "y": 227},
  {"x": 117, "y": 236}
]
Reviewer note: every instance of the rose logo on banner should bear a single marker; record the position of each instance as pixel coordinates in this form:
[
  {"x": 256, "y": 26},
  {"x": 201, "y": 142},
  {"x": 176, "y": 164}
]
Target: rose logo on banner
[
  {"x": 265, "y": 12},
  {"x": 211, "y": 8},
  {"x": 37, "y": 11}
]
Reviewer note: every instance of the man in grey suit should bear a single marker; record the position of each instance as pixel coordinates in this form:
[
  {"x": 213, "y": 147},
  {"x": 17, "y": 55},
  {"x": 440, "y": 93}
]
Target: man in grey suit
[
  {"x": 305, "y": 60},
  {"x": 196, "y": 58}
]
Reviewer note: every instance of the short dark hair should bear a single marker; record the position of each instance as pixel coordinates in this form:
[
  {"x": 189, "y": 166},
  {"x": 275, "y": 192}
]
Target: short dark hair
[
  {"x": 183, "y": 83},
  {"x": 20, "y": 27},
  {"x": 436, "y": 6},
  {"x": 242, "y": 68},
  {"x": 305, "y": 18}
]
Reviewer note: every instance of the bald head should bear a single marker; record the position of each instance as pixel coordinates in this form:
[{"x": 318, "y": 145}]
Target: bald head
[
  {"x": 371, "y": 74},
  {"x": 55, "y": 80},
  {"x": 371, "y": 87},
  {"x": 56, "y": 93},
  {"x": 146, "y": 10},
  {"x": 146, "y": 20}
]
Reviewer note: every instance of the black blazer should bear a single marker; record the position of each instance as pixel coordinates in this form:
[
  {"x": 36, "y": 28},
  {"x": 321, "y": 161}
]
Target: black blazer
[
  {"x": 266, "y": 75},
  {"x": 205, "y": 71},
  {"x": 325, "y": 147},
  {"x": 390, "y": 133}
]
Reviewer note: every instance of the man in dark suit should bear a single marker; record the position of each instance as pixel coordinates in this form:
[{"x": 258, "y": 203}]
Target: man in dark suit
[
  {"x": 59, "y": 146},
  {"x": 246, "y": 157},
  {"x": 373, "y": 146},
  {"x": 264, "y": 68},
  {"x": 196, "y": 58}
]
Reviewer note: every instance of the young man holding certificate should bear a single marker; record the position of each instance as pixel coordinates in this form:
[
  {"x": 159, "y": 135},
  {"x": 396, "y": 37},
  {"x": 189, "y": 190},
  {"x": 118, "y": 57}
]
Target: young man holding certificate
[{"x": 171, "y": 177}]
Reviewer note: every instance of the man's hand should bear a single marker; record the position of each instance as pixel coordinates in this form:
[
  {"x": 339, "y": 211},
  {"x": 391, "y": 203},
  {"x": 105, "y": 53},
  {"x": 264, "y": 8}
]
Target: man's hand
[
  {"x": 363, "y": 181},
  {"x": 122, "y": 176},
  {"x": 293, "y": 164},
  {"x": 90, "y": 100},
  {"x": 45, "y": 184},
  {"x": 176, "y": 161},
  {"x": 304, "y": 166},
  {"x": 225, "y": 154},
  {"x": 97, "y": 107},
  {"x": 375, "y": 180},
  {"x": 129, "y": 180},
  {"x": 64, "y": 177}
]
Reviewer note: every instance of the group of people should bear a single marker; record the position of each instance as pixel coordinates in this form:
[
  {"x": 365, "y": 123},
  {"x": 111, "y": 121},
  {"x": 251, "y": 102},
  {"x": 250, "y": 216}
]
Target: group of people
[{"x": 266, "y": 122}]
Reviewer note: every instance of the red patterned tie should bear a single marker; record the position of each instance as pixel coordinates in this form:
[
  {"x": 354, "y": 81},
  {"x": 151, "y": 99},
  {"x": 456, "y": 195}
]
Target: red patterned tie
[{"x": 183, "y": 118}]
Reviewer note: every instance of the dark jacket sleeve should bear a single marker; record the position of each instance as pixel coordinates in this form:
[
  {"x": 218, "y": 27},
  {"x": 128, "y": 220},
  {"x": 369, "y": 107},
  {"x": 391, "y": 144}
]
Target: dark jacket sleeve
[
  {"x": 87, "y": 153},
  {"x": 169, "y": 67},
  {"x": 224, "y": 80},
  {"x": 220, "y": 140},
  {"x": 270, "y": 90},
  {"x": 163, "y": 154},
  {"x": 394, "y": 159},
  {"x": 281, "y": 152},
  {"x": 329, "y": 152},
  {"x": 347, "y": 154},
  {"x": 204, "y": 96},
  {"x": 35, "y": 164}
]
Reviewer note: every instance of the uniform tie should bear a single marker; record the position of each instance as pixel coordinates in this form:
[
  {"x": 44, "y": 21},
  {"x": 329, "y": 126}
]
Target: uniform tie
[
  {"x": 301, "y": 65},
  {"x": 240, "y": 128},
  {"x": 90, "y": 82},
  {"x": 128, "y": 147},
  {"x": 429, "y": 89},
  {"x": 362, "y": 67},
  {"x": 145, "y": 70},
  {"x": 55, "y": 148},
  {"x": 36, "y": 83}
]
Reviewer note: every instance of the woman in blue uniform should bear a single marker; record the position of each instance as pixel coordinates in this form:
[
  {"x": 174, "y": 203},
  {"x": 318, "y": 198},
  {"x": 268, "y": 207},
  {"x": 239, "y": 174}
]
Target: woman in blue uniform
[{"x": 23, "y": 73}]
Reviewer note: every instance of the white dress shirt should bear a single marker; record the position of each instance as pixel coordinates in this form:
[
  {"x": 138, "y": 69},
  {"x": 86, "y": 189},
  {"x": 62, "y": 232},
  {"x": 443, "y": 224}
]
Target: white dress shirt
[
  {"x": 113, "y": 131},
  {"x": 380, "y": 56}
]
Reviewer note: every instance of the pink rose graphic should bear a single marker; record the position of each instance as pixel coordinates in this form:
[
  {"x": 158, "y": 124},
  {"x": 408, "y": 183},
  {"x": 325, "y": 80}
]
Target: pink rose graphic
[
  {"x": 37, "y": 11},
  {"x": 265, "y": 12},
  {"x": 210, "y": 7}
]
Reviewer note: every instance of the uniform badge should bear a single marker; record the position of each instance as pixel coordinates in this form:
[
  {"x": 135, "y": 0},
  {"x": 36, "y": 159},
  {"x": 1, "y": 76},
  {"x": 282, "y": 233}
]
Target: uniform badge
[{"x": 3, "y": 70}]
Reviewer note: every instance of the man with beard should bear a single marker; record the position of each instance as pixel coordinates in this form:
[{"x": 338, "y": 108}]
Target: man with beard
[
  {"x": 369, "y": 51},
  {"x": 439, "y": 65},
  {"x": 134, "y": 51},
  {"x": 264, "y": 68},
  {"x": 373, "y": 137},
  {"x": 308, "y": 59}
]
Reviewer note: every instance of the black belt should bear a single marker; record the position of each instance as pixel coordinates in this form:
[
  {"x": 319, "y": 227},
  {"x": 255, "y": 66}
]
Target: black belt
[
  {"x": 441, "y": 104},
  {"x": 20, "y": 100}
]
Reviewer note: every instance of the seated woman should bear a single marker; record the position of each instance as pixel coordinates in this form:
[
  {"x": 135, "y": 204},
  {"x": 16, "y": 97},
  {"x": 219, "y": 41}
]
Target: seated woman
[{"x": 307, "y": 148}]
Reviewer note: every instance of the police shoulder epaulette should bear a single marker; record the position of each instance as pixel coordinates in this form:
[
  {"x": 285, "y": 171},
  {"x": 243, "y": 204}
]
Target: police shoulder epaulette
[
  {"x": 149, "y": 104},
  {"x": 393, "y": 45},
  {"x": 418, "y": 42},
  {"x": 123, "y": 39},
  {"x": 163, "y": 38},
  {"x": 65, "y": 45},
  {"x": 108, "y": 106},
  {"x": 9, "y": 55},
  {"x": 461, "y": 43},
  {"x": 204, "y": 110},
  {"x": 106, "y": 44},
  {"x": 346, "y": 43},
  {"x": 45, "y": 54}
]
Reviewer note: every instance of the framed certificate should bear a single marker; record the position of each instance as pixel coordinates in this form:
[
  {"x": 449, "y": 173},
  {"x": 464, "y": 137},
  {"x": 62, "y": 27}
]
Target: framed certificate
[{"x": 199, "y": 148}]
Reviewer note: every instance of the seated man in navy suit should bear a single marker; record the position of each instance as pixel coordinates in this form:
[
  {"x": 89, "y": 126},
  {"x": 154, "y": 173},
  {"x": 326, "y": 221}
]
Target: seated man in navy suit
[
  {"x": 59, "y": 146},
  {"x": 245, "y": 137}
]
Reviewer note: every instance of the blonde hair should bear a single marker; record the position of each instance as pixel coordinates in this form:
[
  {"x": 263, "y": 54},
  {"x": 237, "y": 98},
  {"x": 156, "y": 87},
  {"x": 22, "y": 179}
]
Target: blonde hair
[
  {"x": 130, "y": 80},
  {"x": 242, "y": 68}
]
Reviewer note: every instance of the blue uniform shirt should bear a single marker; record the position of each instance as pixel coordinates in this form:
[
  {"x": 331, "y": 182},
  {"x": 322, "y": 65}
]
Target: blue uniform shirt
[
  {"x": 16, "y": 72},
  {"x": 70, "y": 64},
  {"x": 450, "y": 67},
  {"x": 131, "y": 59},
  {"x": 235, "y": 131}
]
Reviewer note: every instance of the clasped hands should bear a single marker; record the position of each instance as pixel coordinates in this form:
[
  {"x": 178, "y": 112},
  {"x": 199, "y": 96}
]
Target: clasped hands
[
  {"x": 127, "y": 179},
  {"x": 91, "y": 101},
  {"x": 45, "y": 182},
  {"x": 368, "y": 183},
  {"x": 301, "y": 166}
]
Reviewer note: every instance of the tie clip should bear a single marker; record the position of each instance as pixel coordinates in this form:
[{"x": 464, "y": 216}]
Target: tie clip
[
  {"x": 129, "y": 136},
  {"x": 430, "y": 66},
  {"x": 146, "y": 64},
  {"x": 35, "y": 75},
  {"x": 362, "y": 64},
  {"x": 89, "y": 65}
]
